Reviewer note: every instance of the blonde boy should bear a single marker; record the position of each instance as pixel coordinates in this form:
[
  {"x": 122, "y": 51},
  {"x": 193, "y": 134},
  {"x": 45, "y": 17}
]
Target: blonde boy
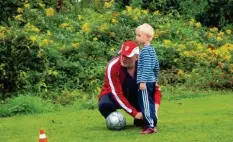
[{"x": 147, "y": 77}]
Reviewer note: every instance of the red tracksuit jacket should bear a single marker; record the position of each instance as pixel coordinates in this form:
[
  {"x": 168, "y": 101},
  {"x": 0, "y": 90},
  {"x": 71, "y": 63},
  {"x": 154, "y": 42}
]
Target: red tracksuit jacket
[{"x": 114, "y": 78}]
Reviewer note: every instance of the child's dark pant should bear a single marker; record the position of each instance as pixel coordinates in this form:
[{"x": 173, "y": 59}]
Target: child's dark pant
[{"x": 147, "y": 104}]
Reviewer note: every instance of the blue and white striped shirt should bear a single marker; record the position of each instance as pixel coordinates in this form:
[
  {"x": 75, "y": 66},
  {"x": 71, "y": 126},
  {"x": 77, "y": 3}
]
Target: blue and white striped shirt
[{"x": 148, "y": 65}]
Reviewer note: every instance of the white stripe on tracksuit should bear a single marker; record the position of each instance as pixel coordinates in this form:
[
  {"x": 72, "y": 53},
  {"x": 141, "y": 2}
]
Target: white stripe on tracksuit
[
  {"x": 147, "y": 107},
  {"x": 113, "y": 88}
]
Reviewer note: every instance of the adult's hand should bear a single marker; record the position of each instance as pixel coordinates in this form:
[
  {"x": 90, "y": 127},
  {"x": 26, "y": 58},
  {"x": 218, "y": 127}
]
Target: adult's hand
[{"x": 139, "y": 116}]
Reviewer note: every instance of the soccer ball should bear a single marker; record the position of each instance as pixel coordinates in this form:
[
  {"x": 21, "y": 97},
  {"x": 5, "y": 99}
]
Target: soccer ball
[{"x": 115, "y": 121}]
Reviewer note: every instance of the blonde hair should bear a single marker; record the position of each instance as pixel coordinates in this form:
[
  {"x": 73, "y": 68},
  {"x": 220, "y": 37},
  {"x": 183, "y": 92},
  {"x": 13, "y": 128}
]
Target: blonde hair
[{"x": 147, "y": 29}]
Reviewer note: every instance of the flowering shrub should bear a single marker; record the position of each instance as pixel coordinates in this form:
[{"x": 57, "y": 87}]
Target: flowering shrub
[
  {"x": 8, "y": 8},
  {"x": 62, "y": 51}
]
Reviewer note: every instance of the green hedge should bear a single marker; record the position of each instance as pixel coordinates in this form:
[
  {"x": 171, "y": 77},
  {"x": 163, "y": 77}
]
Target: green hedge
[{"x": 8, "y": 8}]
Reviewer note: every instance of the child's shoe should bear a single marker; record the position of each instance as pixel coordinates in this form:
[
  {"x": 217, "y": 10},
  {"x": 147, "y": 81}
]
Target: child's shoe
[{"x": 148, "y": 130}]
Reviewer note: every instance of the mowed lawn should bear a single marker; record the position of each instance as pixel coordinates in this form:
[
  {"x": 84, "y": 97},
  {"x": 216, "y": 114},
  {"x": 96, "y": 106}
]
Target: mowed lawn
[{"x": 203, "y": 119}]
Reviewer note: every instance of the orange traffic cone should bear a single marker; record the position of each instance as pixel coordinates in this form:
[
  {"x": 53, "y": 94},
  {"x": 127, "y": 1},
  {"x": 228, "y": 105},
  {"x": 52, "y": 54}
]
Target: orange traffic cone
[{"x": 42, "y": 136}]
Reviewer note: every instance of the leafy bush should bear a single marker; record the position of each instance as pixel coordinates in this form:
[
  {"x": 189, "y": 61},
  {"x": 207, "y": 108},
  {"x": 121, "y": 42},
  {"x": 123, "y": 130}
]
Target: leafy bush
[
  {"x": 162, "y": 5},
  {"x": 218, "y": 13},
  {"x": 85, "y": 104},
  {"x": 18, "y": 59},
  {"x": 52, "y": 54},
  {"x": 191, "y": 8},
  {"x": 9, "y": 8},
  {"x": 25, "y": 105}
]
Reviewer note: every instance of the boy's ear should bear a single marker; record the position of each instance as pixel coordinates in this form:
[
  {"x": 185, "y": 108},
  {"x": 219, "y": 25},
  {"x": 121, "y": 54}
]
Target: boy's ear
[{"x": 149, "y": 37}]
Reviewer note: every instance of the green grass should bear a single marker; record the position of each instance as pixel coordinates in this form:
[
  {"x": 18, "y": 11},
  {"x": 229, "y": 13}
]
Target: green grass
[{"x": 203, "y": 119}]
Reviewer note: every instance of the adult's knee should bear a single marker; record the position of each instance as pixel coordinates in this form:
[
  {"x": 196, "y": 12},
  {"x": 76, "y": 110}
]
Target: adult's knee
[
  {"x": 107, "y": 105},
  {"x": 102, "y": 105},
  {"x": 105, "y": 108},
  {"x": 106, "y": 102}
]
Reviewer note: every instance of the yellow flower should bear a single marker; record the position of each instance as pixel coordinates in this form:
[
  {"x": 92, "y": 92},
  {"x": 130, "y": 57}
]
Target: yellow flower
[
  {"x": 107, "y": 5},
  {"x": 112, "y": 49},
  {"x": 42, "y": 5},
  {"x": 228, "y": 32},
  {"x": 86, "y": 28},
  {"x": 1, "y": 35},
  {"x": 218, "y": 38},
  {"x": 26, "y": 5},
  {"x": 186, "y": 53},
  {"x": 98, "y": 89},
  {"x": 46, "y": 41},
  {"x": 210, "y": 35},
  {"x": 199, "y": 46},
  {"x": 49, "y": 12},
  {"x": 124, "y": 12},
  {"x": 166, "y": 42},
  {"x": 221, "y": 34},
  {"x": 182, "y": 46},
  {"x": 33, "y": 38},
  {"x": 27, "y": 26},
  {"x": 227, "y": 57},
  {"x": 64, "y": 25},
  {"x": 112, "y": 34},
  {"x": 231, "y": 68},
  {"x": 156, "y": 12},
  {"x": 192, "y": 21},
  {"x": 145, "y": 12},
  {"x": 80, "y": 17},
  {"x": 75, "y": 44},
  {"x": 95, "y": 38},
  {"x": 114, "y": 21},
  {"x": 203, "y": 55},
  {"x": 156, "y": 35},
  {"x": 135, "y": 17},
  {"x": 180, "y": 72},
  {"x": 214, "y": 29},
  {"x": 36, "y": 30},
  {"x": 69, "y": 28},
  {"x": 198, "y": 24},
  {"x": 48, "y": 33},
  {"x": 2, "y": 28},
  {"x": 103, "y": 27},
  {"x": 19, "y": 17},
  {"x": 129, "y": 9},
  {"x": 20, "y": 10}
]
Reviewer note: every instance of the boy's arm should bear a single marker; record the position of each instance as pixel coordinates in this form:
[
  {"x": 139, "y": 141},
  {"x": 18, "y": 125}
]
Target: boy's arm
[{"x": 156, "y": 69}]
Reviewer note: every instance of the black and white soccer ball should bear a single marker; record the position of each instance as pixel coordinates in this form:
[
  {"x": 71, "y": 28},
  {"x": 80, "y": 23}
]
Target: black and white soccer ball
[{"x": 115, "y": 121}]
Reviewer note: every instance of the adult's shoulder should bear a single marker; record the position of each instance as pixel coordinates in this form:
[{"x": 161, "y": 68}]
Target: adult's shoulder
[{"x": 114, "y": 63}]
